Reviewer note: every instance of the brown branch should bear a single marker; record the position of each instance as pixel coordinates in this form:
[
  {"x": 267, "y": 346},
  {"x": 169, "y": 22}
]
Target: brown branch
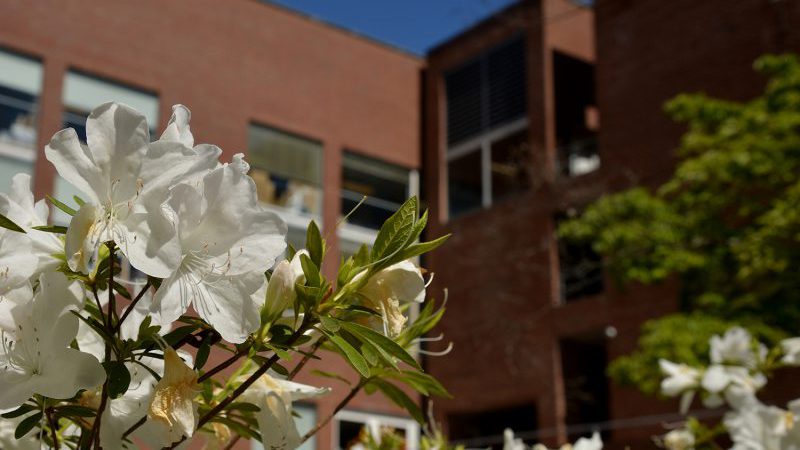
[
  {"x": 53, "y": 427},
  {"x": 132, "y": 305},
  {"x": 233, "y": 442},
  {"x": 246, "y": 384},
  {"x": 338, "y": 408},
  {"x": 307, "y": 357},
  {"x": 223, "y": 365}
]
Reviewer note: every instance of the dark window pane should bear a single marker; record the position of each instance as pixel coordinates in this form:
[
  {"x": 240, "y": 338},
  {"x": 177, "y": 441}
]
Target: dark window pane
[
  {"x": 583, "y": 362},
  {"x": 348, "y": 433},
  {"x": 581, "y": 270},
  {"x": 506, "y": 72},
  {"x": 77, "y": 121},
  {"x": 385, "y": 187},
  {"x": 464, "y": 183},
  {"x": 464, "y": 102},
  {"x": 510, "y": 161},
  {"x": 484, "y": 429}
]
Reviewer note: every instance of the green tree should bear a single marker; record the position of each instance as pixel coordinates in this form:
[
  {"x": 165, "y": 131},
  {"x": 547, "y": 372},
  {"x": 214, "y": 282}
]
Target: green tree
[{"x": 727, "y": 225}]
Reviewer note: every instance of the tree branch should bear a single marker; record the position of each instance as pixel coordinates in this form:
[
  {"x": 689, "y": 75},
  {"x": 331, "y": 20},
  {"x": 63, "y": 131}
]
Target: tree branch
[
  {"x": 338, "y": 408},
  {"x": 307, "y": 357},
  {"x": 132, "y": 305}
]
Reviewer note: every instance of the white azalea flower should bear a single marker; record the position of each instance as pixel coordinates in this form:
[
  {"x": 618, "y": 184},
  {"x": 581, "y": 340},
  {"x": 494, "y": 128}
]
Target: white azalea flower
[
  {"x": 19, "y": 206},
  {"x": 172, "y": 406},
  {"x": 512, "y": 443},
  {"x": 679, "y": 439},
  {"x": 227, "y": 243},
  {"x": 732, "y": 384},
  {"x": 38, "y": 360},
  {"x": 681, "y": 379},
  {"x": 748, "y": 431},
  {"x": 736, "y": 347},
  {"x": 10, "y": 300},
  {"x": 591, "y": 443},
  {"x": 791, "y": 351},
  {"x": 125, "y": 182},
  {"x": 385, "y": 290},
  {"x": 17, "y": 261},
  {"x": 280, "y": 289},
  {"x": 274, "y": 397}
]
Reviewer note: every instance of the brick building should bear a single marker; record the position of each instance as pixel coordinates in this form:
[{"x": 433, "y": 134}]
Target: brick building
[
  {"x": 529, "y": 116},
  {"x": 518, "y": 121},
  {"x": 319, "y": 124}
]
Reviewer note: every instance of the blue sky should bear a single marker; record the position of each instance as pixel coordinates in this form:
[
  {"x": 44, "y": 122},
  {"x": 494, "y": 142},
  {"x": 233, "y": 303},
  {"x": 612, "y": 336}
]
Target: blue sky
[{"x": 413, "y": 25}]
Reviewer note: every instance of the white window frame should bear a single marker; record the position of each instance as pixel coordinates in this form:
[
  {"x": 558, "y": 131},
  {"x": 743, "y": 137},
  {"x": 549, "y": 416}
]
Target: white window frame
[
  {"x": 374, "y": 421},
  {"x": 483, "y": 144}
]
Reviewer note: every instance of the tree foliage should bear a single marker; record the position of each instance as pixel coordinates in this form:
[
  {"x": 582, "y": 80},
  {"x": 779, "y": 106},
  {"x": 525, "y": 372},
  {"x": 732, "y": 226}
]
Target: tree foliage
[{"x": 727, "y": 224}]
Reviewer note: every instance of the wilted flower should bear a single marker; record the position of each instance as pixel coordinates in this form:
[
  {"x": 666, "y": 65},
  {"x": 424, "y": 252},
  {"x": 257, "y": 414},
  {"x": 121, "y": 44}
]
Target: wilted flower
[{"x": 173, "y": 403}]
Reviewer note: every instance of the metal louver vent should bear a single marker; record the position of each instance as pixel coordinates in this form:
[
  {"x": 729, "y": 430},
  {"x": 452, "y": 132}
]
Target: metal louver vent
[{"x": 486, "y": 92}]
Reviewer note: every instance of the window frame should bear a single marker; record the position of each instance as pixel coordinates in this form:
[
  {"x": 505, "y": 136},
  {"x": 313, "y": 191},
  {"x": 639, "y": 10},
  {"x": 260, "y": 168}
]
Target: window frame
[
  {"x": 411, "y": 427},
  {"x": 482, "y": 144}
]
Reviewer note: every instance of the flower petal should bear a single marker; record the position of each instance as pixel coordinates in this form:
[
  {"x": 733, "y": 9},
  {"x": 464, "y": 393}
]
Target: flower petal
[
  {"x": 229, "y": 304},
  {"x": 178, "y": 127},
  {"x": 75, "y": 163},
  {"x": 67, "y": 371}
]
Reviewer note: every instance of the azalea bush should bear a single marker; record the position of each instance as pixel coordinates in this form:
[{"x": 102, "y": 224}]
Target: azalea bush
[
  {"x": 740, "y": 367},
  {"x": 95, "y": 357}
]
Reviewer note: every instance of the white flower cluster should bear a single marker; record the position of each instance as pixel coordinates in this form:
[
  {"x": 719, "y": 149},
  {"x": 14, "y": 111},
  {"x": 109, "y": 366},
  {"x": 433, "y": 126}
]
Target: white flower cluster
[
  {"x": 194, "y": 226},
  {"x": 510, "y": 442},
  {"x": 735, "y": 375}
]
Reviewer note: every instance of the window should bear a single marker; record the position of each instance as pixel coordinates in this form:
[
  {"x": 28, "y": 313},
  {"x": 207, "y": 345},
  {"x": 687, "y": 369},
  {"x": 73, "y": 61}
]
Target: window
[
  {"x": 580, "y": 269},
  {"x": 20, "y": 86},
  {"x": 494, "y": 167},
  {"x": 583, "y": 363},
  {"x": 487, "y": 92},
  {"x": 487, "y": 137},
  {"x": 577, "y": 119},
  {"x": 484, "y": 429},
  {"x": 349, "y": 424},
  {"x": 287, "y": 170},
  {"x": 82, "y": 93},
  {"x": 385, "y": 186},
  {"x": 305, "y": 419}
]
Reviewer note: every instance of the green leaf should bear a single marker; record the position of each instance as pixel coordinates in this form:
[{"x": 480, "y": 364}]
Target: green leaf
[
  {"x": 335, "y": 376},
  {"x": 23, "y": 409},
  {"x": 329, "y": 324},
  {"x": 122, "y": 290},
  {"x": 311, "y": 271},
  {"x": 388, "y": 345},
  {"x": 27, "y": 425},
  {"x": 420, "y": 248},
  {"x": 203, "y": 352},
  {"x": 174, "y": 336},
  {"x": 118, "y": 378},
  {"x": 399, "y": 398},
  {"x": 75, "y": 411},
  {"x": 314, "y": 243},
  {"x": 78, "y": 200},
  {"x": 356, "y": 360},
  {"x": 55, "y": 229},
  {"x": 396, "y": 231},
  {"x": 62, "y": 206},
  {"x": 5, "y": 222}
]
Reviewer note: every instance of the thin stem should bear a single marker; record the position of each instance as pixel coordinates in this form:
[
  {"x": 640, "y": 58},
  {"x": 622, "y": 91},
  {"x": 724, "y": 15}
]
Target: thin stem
[
  {"x": 103, "y": 400},
  {"x": 233, "y": 442},
  {"x": 307, "y": 357},
  {"x": 112, "y": 299},
  {"x": 134, "y": 427},
  {"x": 338, "y": 408},
  {"x": 53, "y": 427},
  {"x": 99, "y": 306},
  {"x": 223, "y": 365},
  {"x": 132, "y": 305},
  {"x": 246, "y": 384}
]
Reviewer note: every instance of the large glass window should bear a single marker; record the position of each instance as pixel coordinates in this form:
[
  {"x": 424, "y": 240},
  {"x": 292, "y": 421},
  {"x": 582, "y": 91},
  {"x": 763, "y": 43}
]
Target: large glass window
[
  {"x": 580, "y": 268},
  {"x": 487, "y": 136},
  {"x": 20, "y": 87},
  {"x": 305, "y": 419},
  {"x": 383, "y": 187},
  {"x": 484, "y": 428},
  {"x": 287, "y": 170},
  {"x": 82, "y": 93},
  {"x": 488, "y": 169},
  {"x": 349, "y": 424}
]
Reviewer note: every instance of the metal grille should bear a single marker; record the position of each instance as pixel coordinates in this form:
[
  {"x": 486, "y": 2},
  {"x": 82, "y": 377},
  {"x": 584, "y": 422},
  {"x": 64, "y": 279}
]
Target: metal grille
[{"x": 486, "y": 92}]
